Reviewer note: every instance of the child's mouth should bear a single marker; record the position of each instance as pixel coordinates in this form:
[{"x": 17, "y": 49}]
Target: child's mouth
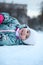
[{"x": 21, "y": 33}]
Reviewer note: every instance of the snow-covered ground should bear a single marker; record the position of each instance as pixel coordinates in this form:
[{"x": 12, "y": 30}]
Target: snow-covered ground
[{"x": 23, "y": 55}]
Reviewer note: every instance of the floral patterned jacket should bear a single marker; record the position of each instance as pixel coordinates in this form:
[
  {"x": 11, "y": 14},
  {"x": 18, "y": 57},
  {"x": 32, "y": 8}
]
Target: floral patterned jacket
[{"x": 9, "y": 23}]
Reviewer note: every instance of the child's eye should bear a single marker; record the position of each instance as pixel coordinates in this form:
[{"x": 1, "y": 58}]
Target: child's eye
[{"x": 27, "y": 31}]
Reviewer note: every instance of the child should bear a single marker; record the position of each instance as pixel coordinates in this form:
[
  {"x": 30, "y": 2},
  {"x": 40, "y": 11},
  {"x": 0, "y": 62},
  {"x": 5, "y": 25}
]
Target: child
[{"x": 12, "y": 32}]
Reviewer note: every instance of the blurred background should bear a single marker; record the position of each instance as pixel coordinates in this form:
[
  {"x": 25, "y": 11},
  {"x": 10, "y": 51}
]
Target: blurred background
[{"x": 28, "y": 12}]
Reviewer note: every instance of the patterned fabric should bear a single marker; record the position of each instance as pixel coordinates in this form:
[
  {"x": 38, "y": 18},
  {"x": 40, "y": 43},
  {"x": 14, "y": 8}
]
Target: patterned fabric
[{"x": 10, "y": 23}]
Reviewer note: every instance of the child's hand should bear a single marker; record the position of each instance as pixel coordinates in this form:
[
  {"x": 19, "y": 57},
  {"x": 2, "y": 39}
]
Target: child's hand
[{"x": 1, "y": 18}]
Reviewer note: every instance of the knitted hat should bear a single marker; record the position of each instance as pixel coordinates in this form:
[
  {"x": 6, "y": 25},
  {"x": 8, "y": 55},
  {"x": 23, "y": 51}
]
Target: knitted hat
[{"x": 31, "y": 40}]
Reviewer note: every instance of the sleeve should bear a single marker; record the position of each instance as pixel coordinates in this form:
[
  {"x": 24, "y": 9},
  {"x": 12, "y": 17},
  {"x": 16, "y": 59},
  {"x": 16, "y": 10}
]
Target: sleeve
[
  {"x": 6, "y": 18},
  {"x": 5, "y": 40}
]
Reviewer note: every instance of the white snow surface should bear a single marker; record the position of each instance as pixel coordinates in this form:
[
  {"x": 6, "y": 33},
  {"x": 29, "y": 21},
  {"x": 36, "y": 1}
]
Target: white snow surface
[{"x": 22, "y": 54}]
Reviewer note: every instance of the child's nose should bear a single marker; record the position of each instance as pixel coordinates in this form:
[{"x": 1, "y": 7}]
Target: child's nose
[{"x": 24, "y": 32}]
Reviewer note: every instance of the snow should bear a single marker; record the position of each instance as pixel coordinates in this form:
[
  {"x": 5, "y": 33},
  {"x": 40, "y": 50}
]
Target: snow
[{"x": 23, "y": 55}]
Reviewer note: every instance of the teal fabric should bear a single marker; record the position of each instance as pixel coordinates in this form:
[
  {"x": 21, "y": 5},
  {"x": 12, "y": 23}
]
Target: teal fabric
[{"x": 10, "y": 23}]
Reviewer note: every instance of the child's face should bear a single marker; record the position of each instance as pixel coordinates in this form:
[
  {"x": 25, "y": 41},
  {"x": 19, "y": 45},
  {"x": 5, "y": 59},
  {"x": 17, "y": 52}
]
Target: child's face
[{"x": 24, "y": 33}]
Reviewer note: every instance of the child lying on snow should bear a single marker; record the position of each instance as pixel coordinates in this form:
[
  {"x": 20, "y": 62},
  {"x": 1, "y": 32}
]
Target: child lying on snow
[{"x": 13, "y": 33}]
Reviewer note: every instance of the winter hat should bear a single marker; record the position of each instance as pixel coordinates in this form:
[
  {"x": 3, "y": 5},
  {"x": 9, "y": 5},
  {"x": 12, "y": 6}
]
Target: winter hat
[
  {"x": 31, "y": 40},
  {"x": 1, "y": 18}
]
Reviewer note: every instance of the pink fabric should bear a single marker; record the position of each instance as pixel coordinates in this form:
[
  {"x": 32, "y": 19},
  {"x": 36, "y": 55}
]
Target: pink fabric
[{"x": 1, "y": 18}]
